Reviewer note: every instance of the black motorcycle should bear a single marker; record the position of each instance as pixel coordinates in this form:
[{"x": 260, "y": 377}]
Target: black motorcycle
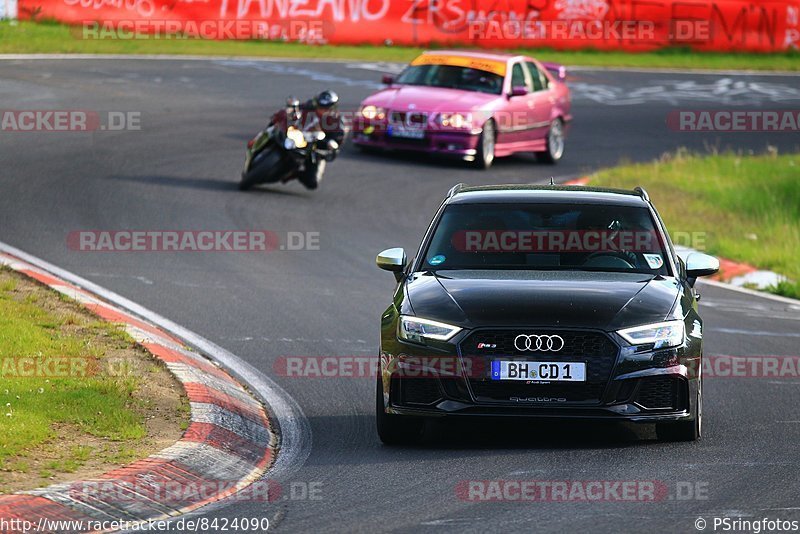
[{"x": 295, "y": 145}]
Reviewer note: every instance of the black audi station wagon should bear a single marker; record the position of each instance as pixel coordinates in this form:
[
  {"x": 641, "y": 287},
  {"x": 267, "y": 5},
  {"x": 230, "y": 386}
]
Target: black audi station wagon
[{"x": 543, "y": 301}]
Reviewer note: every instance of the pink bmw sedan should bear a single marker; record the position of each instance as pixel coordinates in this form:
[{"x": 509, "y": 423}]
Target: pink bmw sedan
[{"x": 471, "y": 105}]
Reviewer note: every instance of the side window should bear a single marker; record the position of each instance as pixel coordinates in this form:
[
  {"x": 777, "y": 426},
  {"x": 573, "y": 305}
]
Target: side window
[
  {"x": 518, "y": 76},
  {"x": 539, "y": 79}
]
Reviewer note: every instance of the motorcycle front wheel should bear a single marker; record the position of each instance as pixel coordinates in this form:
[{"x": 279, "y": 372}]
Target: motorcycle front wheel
[
  {"x": 265, "y": 168},
  {"x": 312, "y": 176}
]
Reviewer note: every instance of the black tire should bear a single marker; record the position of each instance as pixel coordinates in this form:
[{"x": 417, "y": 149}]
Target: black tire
[
  {"x": 484, "y": 155},
  {"x": 684, "y": 430},
  {"x": 264, "y": 169},
  {"x": 554, "y": 143},
  {"x": 311, "y": 181},
  {"x": 395, "y": 429}
]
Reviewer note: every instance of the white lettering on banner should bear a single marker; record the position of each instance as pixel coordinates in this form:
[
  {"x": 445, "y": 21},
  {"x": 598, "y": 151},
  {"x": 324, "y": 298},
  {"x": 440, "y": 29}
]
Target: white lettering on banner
[
  {"x": 452, "y": 15},
  {"x": 8, "y": 9},
  {"x": 792, "y": 27},
  {"x": 581, "y": 9},
  {"x": 144, "y": 8},
  {"x": 339, "y": 10}
]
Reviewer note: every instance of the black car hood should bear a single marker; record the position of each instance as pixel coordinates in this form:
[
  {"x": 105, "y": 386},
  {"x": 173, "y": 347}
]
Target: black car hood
[{"x": 607, "y": 301}]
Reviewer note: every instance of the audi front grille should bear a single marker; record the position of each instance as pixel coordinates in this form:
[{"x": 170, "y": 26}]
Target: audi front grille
[{"x": 595, "y": 348}]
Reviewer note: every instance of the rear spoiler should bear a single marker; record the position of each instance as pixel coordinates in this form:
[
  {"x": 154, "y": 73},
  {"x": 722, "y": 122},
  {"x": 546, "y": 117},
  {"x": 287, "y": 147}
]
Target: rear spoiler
[{"x": 558, "y": 70}]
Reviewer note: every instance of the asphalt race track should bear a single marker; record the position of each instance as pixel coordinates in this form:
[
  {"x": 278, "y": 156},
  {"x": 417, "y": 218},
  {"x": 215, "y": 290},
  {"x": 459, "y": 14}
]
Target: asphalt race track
[{"x": 180, "y": 173}]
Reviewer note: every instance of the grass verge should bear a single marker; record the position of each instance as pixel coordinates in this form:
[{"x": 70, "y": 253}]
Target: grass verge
[
  {"x": 76, "y": 393},
  {"x": 48, "y": 37},
  {"x": 748, "y": 207}
]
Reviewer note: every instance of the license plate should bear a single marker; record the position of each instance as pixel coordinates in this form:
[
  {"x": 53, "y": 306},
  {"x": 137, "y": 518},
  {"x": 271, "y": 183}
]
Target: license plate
[
  {"x": 407, "y": 133},
  {"x": 539, "y": 371}
]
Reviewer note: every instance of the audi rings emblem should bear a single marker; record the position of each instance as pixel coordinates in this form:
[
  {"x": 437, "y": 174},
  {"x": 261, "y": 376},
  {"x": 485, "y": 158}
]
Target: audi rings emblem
[{"x": 543, "y": 343}]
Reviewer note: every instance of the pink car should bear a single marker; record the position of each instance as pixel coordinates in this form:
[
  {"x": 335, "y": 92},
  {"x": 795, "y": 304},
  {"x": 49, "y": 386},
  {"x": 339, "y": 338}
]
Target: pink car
[{"x": 473, "y": 105}]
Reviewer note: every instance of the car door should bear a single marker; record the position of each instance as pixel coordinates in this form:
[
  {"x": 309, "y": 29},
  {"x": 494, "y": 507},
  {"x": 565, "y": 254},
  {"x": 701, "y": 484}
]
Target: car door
[
  {"x": 541, "y": 102},
  {"x": 513, "y": 121}
]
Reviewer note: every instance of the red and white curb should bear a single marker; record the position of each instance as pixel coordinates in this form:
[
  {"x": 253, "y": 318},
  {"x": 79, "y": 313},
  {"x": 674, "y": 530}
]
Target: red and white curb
[
  {"x": 228, "y": 445},
  {"x": 731, "y": 272}
]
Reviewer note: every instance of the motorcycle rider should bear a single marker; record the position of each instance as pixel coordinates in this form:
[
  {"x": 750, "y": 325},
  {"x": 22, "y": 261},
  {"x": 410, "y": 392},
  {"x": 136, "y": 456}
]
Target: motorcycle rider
[
  {"x": 324, "y": 108},
  {"x": 323, "y": 131}
]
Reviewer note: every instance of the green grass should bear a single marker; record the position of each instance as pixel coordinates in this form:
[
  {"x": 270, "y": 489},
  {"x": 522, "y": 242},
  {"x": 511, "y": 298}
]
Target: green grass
[
  {"x": 748, "y": 206},
  {"x": 50, "y": 37},
  {"x": 94, "y": 403}
]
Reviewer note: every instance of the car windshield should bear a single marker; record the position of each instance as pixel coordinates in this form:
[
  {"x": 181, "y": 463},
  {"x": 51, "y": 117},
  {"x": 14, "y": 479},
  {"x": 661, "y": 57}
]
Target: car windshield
[
  {"x": 452, "y": 77},
  {"x": 585, "y": 237}
]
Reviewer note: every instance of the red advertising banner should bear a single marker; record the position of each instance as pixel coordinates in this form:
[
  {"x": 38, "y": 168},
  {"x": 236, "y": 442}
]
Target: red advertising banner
[{"x": 719, "y": 25}]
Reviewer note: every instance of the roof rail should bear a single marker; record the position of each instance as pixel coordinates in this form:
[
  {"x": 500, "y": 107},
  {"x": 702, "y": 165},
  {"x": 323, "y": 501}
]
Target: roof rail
[
  {"x": 642, "y": 193},
  {"x": 454, "y": 190}
]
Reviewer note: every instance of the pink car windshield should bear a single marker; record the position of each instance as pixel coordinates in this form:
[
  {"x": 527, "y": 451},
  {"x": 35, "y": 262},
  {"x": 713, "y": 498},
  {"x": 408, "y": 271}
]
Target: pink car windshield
[{"x": 452, "y": 77}]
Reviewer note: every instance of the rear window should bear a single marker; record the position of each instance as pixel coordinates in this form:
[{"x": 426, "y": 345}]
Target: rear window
[{"x": 548, "y": 237}]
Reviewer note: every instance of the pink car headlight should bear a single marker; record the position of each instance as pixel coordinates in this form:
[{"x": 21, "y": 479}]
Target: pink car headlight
[
  {"x": 373, "y": 112},
  {"x": 455, "y": 120}
]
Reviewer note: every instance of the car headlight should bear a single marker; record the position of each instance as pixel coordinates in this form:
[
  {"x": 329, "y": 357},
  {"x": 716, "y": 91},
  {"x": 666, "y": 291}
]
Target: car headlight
[
  {"x": 455, "y": 120},
  {"x": 417, "y": 330},
  {"x": 296, "y": 137},
  {"x": 660, "y": 335},
  {"x": 373, "y": 112}
]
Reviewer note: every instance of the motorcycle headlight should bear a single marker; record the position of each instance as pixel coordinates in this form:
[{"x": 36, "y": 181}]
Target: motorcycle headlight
[
  {"x": 455, "y": 120},
  {"x": 311, "y": 137},
  {"x": 373, "y": 112},
  {"x": 660, "y": 335},
  {"x": 297, "y": 138},
  {"x": 417, "y": 330}
]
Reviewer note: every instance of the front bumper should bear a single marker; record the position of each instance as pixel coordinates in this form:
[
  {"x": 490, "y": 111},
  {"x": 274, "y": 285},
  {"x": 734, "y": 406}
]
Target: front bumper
[
  {"x": 628, "y": 385},
  {"x": 596, "y": 414},
  {"x": 626, "y": 398},
  {"x": 460, "y": 144}
]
